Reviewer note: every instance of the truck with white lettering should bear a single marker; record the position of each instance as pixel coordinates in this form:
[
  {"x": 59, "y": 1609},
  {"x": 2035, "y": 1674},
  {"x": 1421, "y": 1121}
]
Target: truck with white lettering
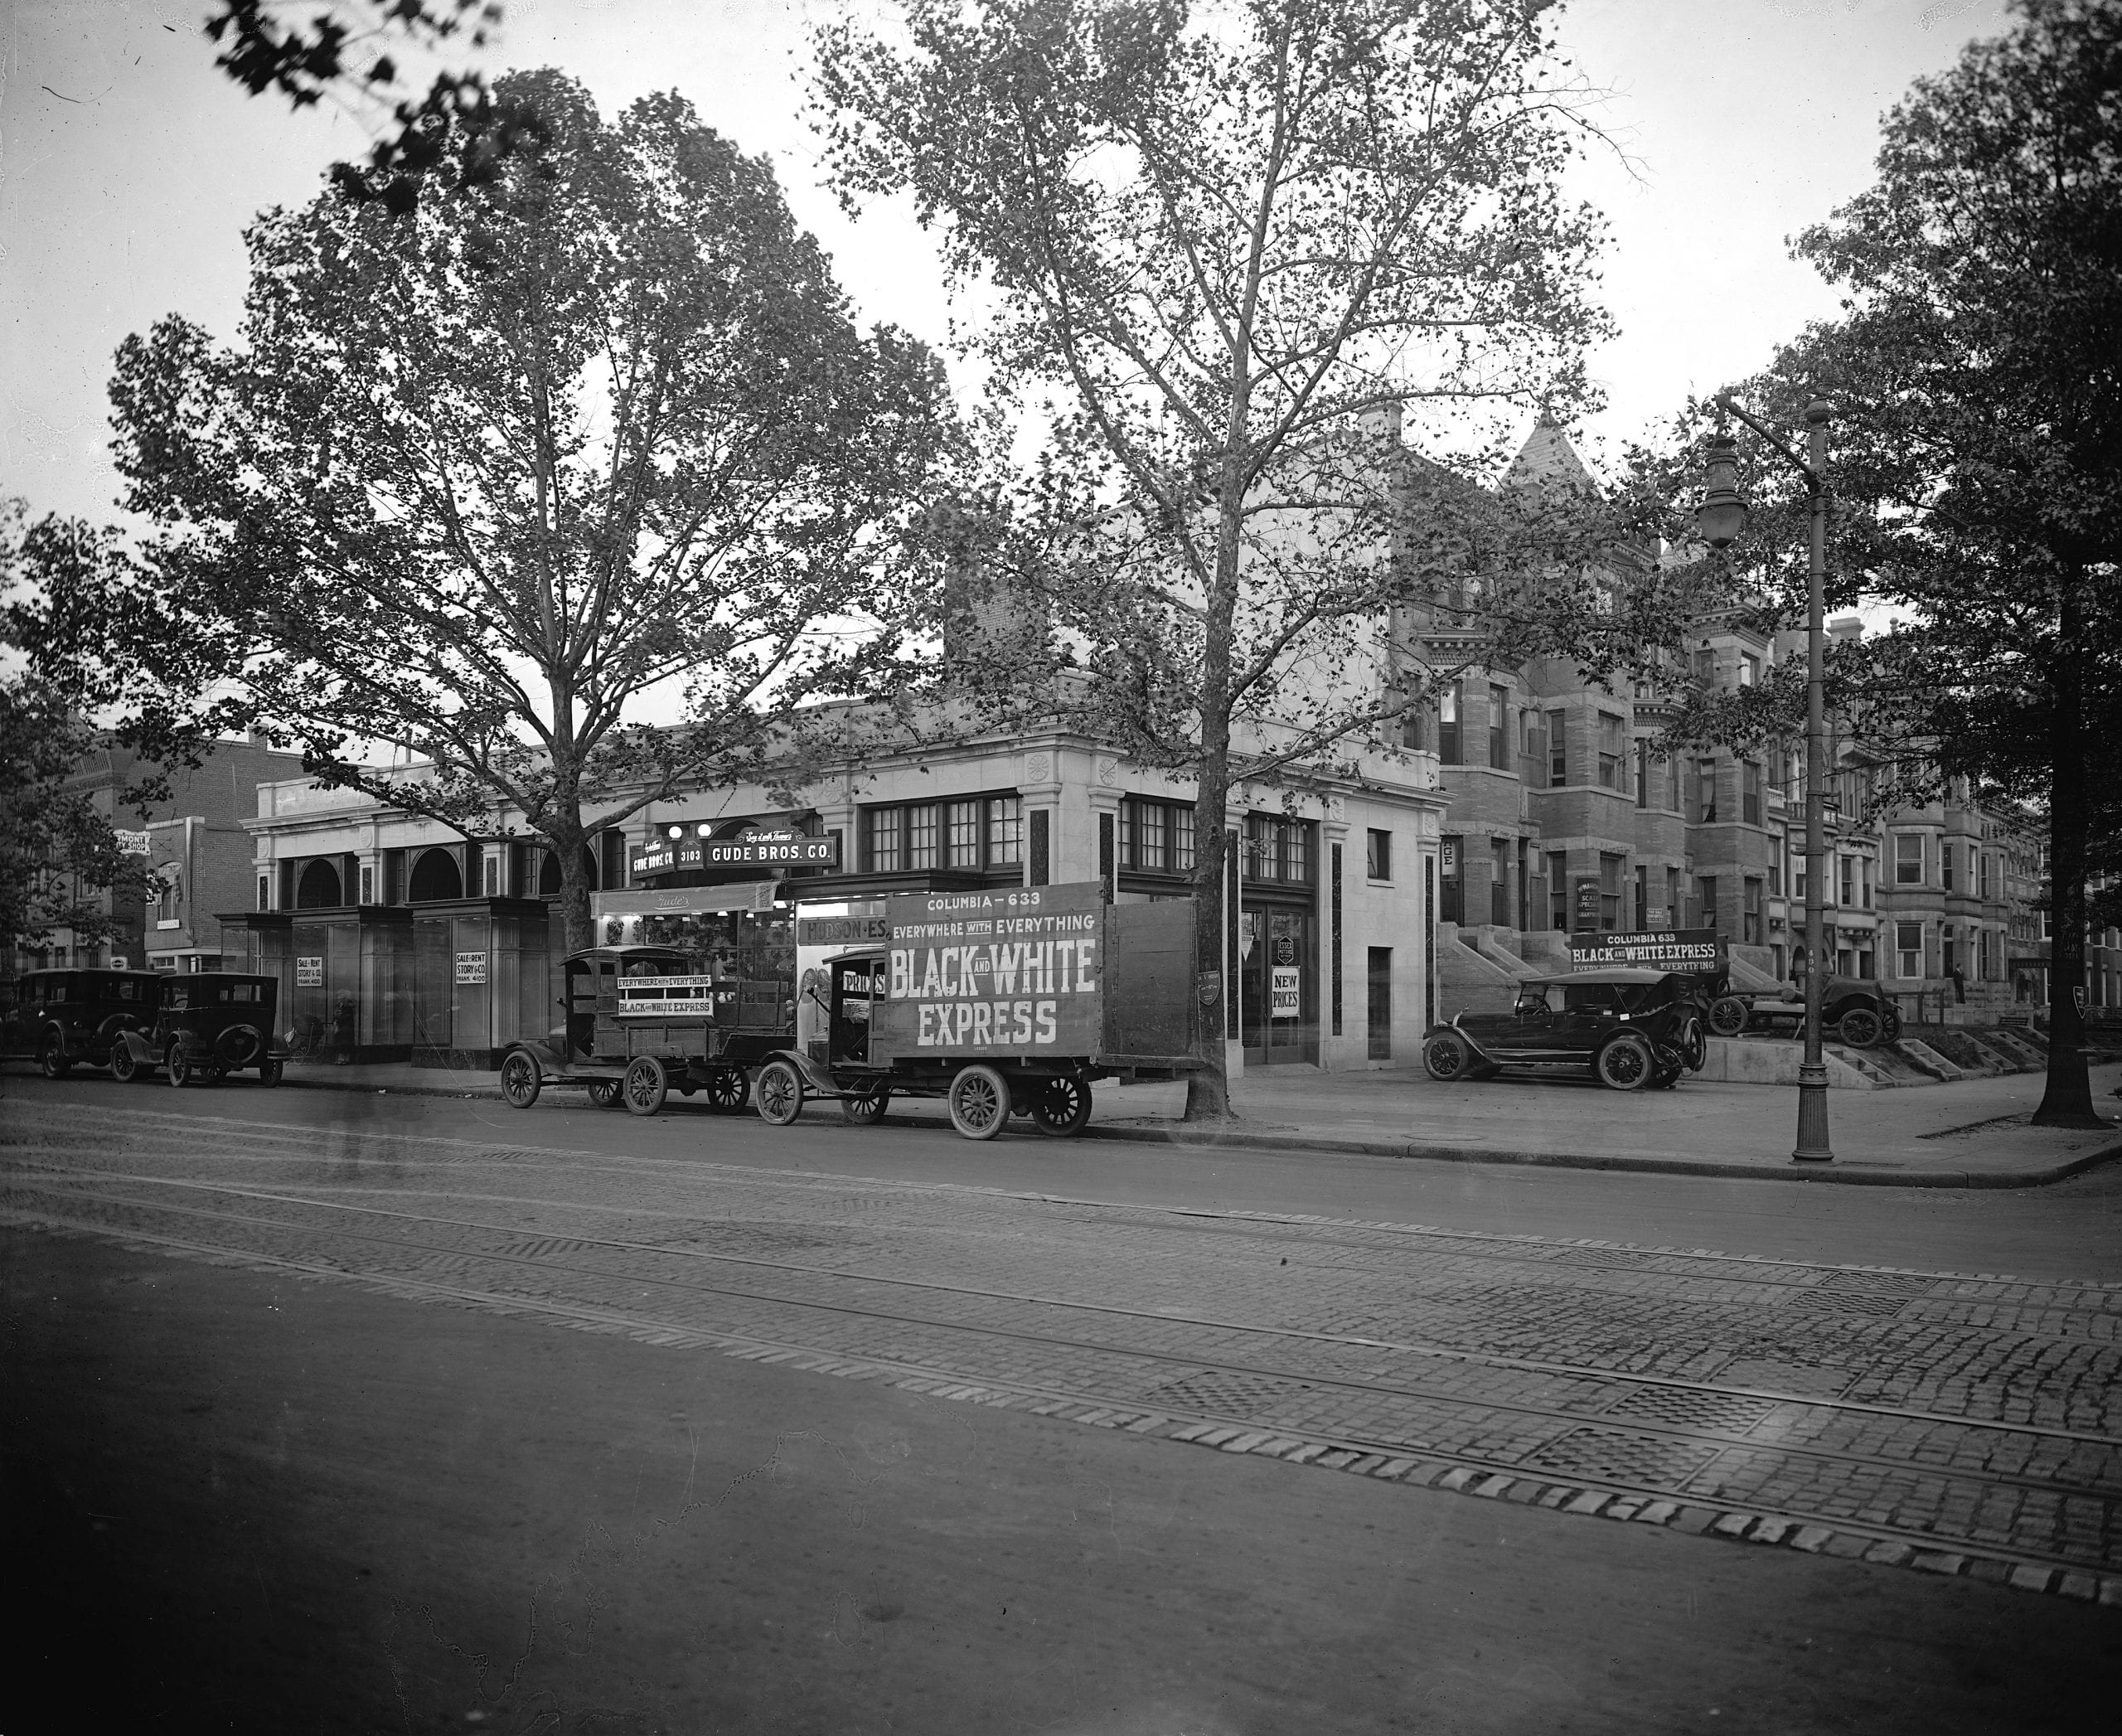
[{"x": 1005, "y": 1001}]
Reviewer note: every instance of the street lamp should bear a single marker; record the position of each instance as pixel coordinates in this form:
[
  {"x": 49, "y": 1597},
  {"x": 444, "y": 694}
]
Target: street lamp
[{"x": 1718, "y": 521}]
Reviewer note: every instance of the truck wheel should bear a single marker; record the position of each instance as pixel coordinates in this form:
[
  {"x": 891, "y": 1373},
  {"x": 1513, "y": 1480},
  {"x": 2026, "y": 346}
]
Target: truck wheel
[
  {"x": 979, "y": 1101},
  {"x": 124, "y": 1067},
  {"x": 780, "y": 1094},
  {"x": 870, "y": 1107},
  {"x": 180, "y": 1069},
  {"x": 728, "y": 1092},
  {"x": 645, "y": 1086},
  {"x": 1625, "y": 1063},
  {"x": 519, "y": 1079},
  {"x": 1693, "y": 1045},
  {"x": 1447, "y": 1055},
  {"x": 1860, "y": 1027},
  {"x": 52, "y": 1058},
  {"x": 604, "y": 1093},
  {"x": 1727, "y": 1016},
  {"x": 1062, "y": 1107},
  {"x": 1890, "y": 1024}
]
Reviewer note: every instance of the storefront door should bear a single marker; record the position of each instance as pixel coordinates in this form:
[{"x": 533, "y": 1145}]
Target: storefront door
[{"x": 1279, "y": 975}]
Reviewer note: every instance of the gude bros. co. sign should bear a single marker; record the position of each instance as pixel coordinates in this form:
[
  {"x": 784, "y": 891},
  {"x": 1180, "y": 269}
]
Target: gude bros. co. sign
[{"x": 1013, "y": 972}]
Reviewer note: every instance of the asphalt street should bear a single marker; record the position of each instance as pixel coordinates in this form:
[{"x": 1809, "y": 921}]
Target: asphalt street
[{"x": 351, "y": 1412}]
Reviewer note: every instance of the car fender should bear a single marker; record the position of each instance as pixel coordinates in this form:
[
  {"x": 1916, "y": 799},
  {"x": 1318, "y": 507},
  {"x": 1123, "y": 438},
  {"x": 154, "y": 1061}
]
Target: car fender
[
  {"x": 142, "y": 1050},
  {"x": 550, "y": 1064},
  {"x": 1466, "y": 1037}
]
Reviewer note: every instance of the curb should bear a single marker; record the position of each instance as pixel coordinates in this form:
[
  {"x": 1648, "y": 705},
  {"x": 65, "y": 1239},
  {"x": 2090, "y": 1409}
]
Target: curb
[{"x": 1327, "y": 1147}]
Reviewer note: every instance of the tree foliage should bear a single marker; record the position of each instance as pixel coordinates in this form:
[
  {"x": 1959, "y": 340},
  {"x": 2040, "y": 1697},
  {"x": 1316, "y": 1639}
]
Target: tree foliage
[
  {"x": 482, "y": 481},
  {"x": 1977, "y": 448},
  {"x": 1208, "y": 255},
  {"x": 58, "y": 855},
  {"x": 347, "y": 54}
]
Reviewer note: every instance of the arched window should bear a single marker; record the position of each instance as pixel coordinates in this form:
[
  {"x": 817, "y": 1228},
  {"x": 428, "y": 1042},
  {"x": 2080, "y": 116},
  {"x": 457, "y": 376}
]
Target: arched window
[
  {"x": 435, "y": 876},
  {"x": 548, "y": 874},
  {"x": 318, "y": 888}
]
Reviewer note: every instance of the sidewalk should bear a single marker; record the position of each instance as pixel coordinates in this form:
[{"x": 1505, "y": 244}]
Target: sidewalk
[{"x": 1970, "y": 1133}]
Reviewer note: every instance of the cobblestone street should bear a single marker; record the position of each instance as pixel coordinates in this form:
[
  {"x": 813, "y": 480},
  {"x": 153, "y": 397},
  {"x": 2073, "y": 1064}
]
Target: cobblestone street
[{"x": 1961, "y": 1423}]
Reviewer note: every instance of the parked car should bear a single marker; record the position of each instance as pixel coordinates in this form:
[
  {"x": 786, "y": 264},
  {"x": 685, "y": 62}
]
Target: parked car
[
  {"x": 1629, "y": 1026},
  {"x": 207, "y": 1024},
  {"x": 67, "y": 1018},
  {"x": 1853, "y": 1011}
]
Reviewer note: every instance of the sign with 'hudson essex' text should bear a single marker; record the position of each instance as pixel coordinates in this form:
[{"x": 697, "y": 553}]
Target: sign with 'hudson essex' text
[{"x": 1018, "y": 973}]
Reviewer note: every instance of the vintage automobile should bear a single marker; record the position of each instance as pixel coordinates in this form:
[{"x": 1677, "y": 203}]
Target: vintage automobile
[
  {"x": 1629, "y": 1026},
  {"x": 207, "y": 1025},
  {"x": 67, "y": 1018},
  {"x": 639, "y": 1024},
  {"x": 1853, "y": 1011}
]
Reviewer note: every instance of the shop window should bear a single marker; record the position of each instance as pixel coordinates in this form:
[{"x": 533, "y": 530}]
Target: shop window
[
  {"x": 978, "y": 832},
  {"x": 1278, "y": 848},
  {"x": 1377, "y": 855},
  {"x": 1908, "y": 859},
  {"x": 1908, "y": 948},
  {"x": 1610, "y": 751}
]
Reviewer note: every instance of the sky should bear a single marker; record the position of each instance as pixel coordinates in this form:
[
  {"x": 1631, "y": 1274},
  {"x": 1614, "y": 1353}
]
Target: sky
[{"x": 128, "y": 167}]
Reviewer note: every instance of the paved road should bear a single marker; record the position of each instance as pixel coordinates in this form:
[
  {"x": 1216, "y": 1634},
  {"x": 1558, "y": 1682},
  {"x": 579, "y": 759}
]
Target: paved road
[{"x": 1962, "y": 1424}]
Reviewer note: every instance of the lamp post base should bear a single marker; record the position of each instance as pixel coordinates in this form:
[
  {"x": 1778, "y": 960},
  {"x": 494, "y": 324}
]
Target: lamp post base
[{"x": 1812, "y": 1147}]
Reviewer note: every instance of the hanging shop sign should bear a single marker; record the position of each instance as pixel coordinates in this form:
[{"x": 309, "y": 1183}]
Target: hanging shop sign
[
  {"x": 1284, "y": 992},
  {"x": 135, "y": 843},
  {"x": 782, "y": 849},
  {"x": 1659, "y": 949},
  {"x": 1584, "y": 890},
  {"x": 842, "y": 931}
]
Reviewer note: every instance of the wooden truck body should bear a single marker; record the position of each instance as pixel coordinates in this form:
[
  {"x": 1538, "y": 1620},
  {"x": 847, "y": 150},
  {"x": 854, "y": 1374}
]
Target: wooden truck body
[{"x": 1006, "y": 1001}]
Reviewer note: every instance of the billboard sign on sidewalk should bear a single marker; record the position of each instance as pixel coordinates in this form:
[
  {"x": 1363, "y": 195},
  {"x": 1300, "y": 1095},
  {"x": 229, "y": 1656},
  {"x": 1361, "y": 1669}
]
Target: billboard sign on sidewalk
[{"x": 1656, "y": 949}]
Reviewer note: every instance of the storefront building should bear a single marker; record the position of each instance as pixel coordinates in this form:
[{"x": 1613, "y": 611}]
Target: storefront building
[{"x": 394, "y": 938}]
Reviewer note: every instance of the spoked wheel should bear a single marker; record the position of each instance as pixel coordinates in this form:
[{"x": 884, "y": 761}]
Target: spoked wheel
[
  {"x": 645, "y": 1086},
  {"x": 1727, "y": 1016},
  {"x": 52, "y": 1057},
  {"x": 728, "y": 1091},
  {"x": 1447, "y": 1055},
  {"x": 870, "y": 1107},
  {"x": 604, "y": 1093},
  {"x": 1626, "y": 1063},
  {"x": 979, "y": 1101},
  {"x": 1061, "y": 1107},
  {"x": 519, "y": 1079},
  {"x": 179, "y": 1067},
  {"x": 1667, "y": 1078},
  {"x": 1890, "y": 1025},
  {"x": 1860, "y": 1027},
  {"x": 1692, "y": 1045},
  {"x": 269, "y": 1071},
  {"x": 124, "y": 1065},
  {"x": 780, "y": 1094}
]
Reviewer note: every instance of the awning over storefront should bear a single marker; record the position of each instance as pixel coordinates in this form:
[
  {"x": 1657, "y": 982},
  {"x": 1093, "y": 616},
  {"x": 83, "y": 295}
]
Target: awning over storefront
[{"x": 685, "y": 900}]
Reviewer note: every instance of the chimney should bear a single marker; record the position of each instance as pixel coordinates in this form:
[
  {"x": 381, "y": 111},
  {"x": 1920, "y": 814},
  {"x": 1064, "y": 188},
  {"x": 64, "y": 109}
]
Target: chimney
[
  {"x": 1381, "y": 420},
  {"x": 1845, "y": 627}
]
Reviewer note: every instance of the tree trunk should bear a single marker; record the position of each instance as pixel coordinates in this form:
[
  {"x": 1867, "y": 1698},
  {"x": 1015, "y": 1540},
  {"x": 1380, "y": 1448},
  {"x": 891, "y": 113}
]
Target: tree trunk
[
  {"x": 2067, "y": 1101},
  {"x": 1208, "y": 1090},
  {"x": 568, "y": 841}
]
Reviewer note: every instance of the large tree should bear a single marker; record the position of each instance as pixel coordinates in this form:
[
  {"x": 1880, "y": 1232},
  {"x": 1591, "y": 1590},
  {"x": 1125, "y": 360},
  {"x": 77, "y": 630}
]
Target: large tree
[
  {"x": 1228, "y": 245},
  {"x": 1976, "y": 461},
  {"x": 482, "y": 479}
]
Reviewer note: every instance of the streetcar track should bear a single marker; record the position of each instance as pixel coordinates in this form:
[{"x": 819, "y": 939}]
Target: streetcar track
[
  {"x": 1761, "y": 1270},
  {"x": 1604, "y": 1413},
  {"x": 732, "y": 1340}
]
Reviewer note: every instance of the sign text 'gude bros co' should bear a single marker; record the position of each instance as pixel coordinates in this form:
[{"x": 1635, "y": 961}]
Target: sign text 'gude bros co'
[{"x": 1019, "y": 971}]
